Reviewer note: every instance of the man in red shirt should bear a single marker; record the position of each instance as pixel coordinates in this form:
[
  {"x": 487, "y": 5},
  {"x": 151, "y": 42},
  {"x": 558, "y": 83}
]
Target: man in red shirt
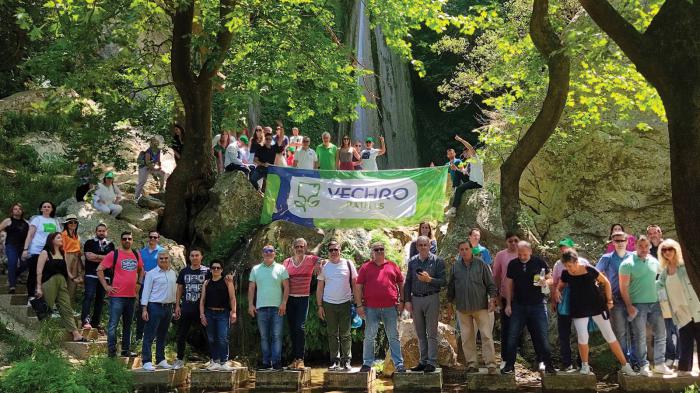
[
  {"x": 379, "y": 298},
  {"x": 127, "y": 270}
]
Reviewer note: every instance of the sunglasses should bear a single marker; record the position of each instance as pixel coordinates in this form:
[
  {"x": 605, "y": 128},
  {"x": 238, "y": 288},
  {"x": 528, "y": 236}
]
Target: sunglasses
[
  {"x": 154, "y": 237},
  {"x": 72, "y": 222},
  {"x": 216, "y": 268},
  {"x": 668, "y": 249},
  {"x": 333, "y": 249},
  {"x": 268, "y": 250},
  {"x": 620, "y": 241},
  {"x": 127, "y": 239},
  {"x": 378, "y": 249},
  {"x": 306, "y": 141},
  {"x": 299, "y": 246}
]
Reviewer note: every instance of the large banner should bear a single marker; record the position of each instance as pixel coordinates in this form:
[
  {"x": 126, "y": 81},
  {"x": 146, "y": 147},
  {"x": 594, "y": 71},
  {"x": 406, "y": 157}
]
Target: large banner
[{"x": 354, "y": 199}]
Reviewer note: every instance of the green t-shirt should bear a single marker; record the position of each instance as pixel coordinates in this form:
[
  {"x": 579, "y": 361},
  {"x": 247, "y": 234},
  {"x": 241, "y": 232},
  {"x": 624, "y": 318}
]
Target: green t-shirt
[
  {"x": 326, "y": 156},
  {"x": 642, "y": 274},
  {"x": 268, "y": 282}
]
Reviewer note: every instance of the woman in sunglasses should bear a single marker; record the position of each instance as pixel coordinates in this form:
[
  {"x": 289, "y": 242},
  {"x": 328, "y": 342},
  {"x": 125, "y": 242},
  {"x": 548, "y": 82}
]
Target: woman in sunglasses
[
  {"x": 217, "y": 311},
  {"x": 346, "y": 153}
]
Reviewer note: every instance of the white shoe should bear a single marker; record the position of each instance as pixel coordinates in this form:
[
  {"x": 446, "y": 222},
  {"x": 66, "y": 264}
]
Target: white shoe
[
  {"x": 503, "y": 364},
  {"x": 627, "y": 370},
  {"x": 669, "y": 362},
  {"x": 585, "y": 369},
  {"x": 662, "y": 369},
  {"x": 451, "y": 212},
  {"x": 225, "y": 367},
  {"x": 164, "y": 364},
  {"x": 178, "y": 364},
  {"x": 645, "y": 371},
  {"x": 148, "y": 367},
  {"x": 214, "y": 367}
]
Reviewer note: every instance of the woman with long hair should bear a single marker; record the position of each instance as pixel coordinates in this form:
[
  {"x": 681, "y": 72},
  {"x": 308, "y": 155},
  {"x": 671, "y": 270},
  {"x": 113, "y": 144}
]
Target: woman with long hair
[
  {"x": 631, "y": 240},
  {"x": 424, "y": 229},
  {"x": 217, "y": 311},
  {"x": 221, "y": 142},
  {"x": 685, "y": 306},
  {"x": 345, "y": 155},
  {"x": 16, "y": 229},
  {"x": 40, "y": 227},
  {"x": 256, "y": 141},
  {"x": 71, "y": 248},
  {"x": 52, "y": 277}
]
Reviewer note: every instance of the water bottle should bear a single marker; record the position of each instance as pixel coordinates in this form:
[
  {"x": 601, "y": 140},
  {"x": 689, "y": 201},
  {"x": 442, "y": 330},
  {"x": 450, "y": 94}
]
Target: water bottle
[
  {"x": 536, "y": 279},
  {"x": 545, "y": 287}
]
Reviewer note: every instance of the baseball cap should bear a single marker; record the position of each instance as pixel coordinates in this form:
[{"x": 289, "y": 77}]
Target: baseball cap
[
  {"x": 109, "y": 175},
  {"x": 369, "y": 139},
  {"x": 566, "y": 242},
  {"x": 243, "y": 139}
]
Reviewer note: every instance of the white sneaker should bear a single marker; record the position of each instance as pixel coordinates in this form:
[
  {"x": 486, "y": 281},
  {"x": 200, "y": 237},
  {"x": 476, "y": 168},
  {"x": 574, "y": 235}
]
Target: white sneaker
[
  {"x": 585, "y": 369},
  {"x": 178, "y": 364},
  {"x": 662, "y": 369},
  {"x": 645, "y": 371},
  {"x": 628, "y": 370},
  {"x": 214, "y": 366},
  {"x": 541, "y": 366},
  {"x": 503, "y": 364},
  {"x": 164, "y": 364},
  {"x": 451, "y": 212},
  {"x": 226, "y": 368},
  {"x": 669, "y": 362},
  {"x": 148, "y": 367}
]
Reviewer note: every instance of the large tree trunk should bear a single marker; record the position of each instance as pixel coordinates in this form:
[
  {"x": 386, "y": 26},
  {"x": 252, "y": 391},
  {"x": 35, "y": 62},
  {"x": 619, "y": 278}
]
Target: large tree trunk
[
  {"x": 558, "y": 63},
  {"x": 668, "y": 55}
]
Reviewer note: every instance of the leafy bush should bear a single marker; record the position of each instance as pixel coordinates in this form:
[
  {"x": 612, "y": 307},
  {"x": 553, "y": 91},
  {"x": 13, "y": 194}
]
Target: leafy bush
[
  {"x": 19, "y": 348},
  {"x": 104, "y": 375},
  {"x": 46, "y": 372}
]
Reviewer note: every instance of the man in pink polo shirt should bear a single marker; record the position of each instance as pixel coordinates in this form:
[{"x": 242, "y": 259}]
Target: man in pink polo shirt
[
  {"x": 379, "y": 298},
  {"x": 500, "y": 268}
]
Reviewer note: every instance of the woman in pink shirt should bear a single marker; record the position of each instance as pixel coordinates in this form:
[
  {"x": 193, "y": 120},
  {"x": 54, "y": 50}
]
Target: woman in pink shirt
[
  {"x": 301, "y": 268},
  {"x": 631, "y": 240}
]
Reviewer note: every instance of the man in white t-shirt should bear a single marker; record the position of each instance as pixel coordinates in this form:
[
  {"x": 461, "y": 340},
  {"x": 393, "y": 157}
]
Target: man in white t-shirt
[
  {"x": 233, "y": 160},
  {"x": 473, "y": 171},
  {"x": 334, "y": 300},
  {"x": 306, "y": 158},
  {"x": 369, "y": 154},
  {"x": 295, "y": 140}
]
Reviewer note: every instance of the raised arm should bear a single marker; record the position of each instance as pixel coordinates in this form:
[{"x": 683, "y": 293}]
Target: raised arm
[{"x": 382, "y": 146}]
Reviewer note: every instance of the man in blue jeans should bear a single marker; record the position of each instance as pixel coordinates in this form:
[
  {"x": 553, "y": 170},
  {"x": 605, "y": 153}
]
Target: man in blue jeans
[
  {"x": 379, "y": 298},
  {"x": 95, "y": 250},
  {"x": 127, "y": 271},
  {"x": 268, "y": 291},
  {"x": 527, "y": 306},
  {"x": 157, "y": 302},
  {"x": 149, "y": 256},
  {"x": 638, "y": 290}
]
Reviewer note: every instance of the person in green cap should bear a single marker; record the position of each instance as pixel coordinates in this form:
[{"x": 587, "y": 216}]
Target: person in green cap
[
  {"x": 243, "y": 149},
  {"x": 107, "y": 196},
  {"x": 563, "y": 316},
  {"x": 369, "y": 154}
]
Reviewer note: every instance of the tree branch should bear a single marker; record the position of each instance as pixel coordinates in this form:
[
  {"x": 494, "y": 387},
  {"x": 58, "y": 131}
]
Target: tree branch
[
  {"x": 618, "y": 28},
  {"x": 148, "y": 87},
  {"x": 223, "y": 41},
  {"x": 180, "y": 51}
]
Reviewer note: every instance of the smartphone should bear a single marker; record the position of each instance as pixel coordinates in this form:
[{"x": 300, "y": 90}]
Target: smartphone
[{"x": 419, "y": 271}]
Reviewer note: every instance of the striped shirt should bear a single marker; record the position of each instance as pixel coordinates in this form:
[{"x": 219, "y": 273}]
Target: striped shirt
[{"x": 300, "y": 277}]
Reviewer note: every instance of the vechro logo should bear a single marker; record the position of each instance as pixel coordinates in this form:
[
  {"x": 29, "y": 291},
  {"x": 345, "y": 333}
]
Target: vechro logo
[{"x": 308, "y": 195}]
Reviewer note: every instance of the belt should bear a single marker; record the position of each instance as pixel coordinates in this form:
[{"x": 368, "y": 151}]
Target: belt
[
  {"x": 216, "y": 309},
  {"x": 162, "y": 304},
  {"x": 425, "y": 294}
]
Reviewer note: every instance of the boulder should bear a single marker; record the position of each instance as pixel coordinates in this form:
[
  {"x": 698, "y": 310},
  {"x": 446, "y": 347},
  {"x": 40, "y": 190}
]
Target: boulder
[
  {"x": 144, "y": 219},
  {"x": 88, "y": 218},
  {"x": 280, "y": 234},
  {"x": 447, "y": 345},
  {"x": 150, "y": 202},
  {"x": 232, "y": 202}
]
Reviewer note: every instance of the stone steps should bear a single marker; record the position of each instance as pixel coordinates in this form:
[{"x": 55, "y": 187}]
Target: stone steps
[{"x": 284, "y": 380}]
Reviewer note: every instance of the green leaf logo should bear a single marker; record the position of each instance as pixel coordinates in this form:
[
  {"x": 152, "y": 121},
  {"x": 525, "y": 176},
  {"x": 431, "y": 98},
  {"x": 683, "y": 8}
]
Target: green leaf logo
[{"x": 307, "y": 195}]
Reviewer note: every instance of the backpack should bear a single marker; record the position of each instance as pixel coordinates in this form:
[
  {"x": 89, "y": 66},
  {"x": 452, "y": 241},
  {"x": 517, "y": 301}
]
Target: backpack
[{"x": 109, "y": 273}]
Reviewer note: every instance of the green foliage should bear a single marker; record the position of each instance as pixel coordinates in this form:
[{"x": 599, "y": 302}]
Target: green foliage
[
  {"x": 19, "y": 348},
  {"x": 226, "y": 244},
  {"x": 104, "y": 375},
  {"x": 46, "y": 372}
]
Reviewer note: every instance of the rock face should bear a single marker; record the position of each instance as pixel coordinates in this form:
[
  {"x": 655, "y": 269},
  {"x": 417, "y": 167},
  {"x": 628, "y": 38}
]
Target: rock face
[
  {"x": 232, "y": 201},
  {"x": 144, "y": 219},
  {"x": 89, "y": 218},
  {"x": 447, "y": 345},
  {"x": 280, "y": 234}
]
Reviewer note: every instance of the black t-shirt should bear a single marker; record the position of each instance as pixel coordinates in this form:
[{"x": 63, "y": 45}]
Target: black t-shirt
[
  {"x": 267, "y": 154},
  {"x": 584, "y": 298},
  {"x": 217, "y": 294},
  {"x": 523, "y": 275},
  {"x": 17, "y": 233},
  {"x": 96, "y": 247},
  {"x": 192, "y": 281}
]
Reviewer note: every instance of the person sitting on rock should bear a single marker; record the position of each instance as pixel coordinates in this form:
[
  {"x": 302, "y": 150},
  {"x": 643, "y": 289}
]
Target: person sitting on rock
[
  {"x": 268, "y": 292},
  {"x": 217, "y": 311},
  {"x": 472, "y": 172},
  {"x": 585, "y": 304},
  {"x": 107, "y": 196},
  {"x": 233, "y": 160},
  {"x": 52, "y": 277},
  {"x": 472, "y": 289},
  {"x": 264, "y": 157},
  {"x": 424, "y": 279},
  {"x": 149, "y": 164},
  {"x": 157, "y": 300},
  {"x": 379, "y": 298}
]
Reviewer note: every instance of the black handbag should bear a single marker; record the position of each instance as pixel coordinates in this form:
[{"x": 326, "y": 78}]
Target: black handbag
[{"x": 41, "y": 308}]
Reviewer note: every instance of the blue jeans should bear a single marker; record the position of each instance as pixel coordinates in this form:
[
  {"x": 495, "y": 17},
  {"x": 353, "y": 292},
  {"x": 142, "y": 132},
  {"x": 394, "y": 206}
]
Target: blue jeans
[
  {"x": 159, "y": 316},
  {"x": 388, "y": 316},
  {"x": 672, "y": 350},
  {"x": 119, "y": 307},
  {"x": 260, "y": 172},
  {"x": 93, "y": 290},
  {"x": 217, "y": 334},
  {"x": 270, "y": 325},
  {"x": 14, "y": 269},
  {"x": 649, "y": 313},
  {"x": 297, "y": 309},
  {"x": 534, "y": 316},
  {"x": 622, "y": 329}
]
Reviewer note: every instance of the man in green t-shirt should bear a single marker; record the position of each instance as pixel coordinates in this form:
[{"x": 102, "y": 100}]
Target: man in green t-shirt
[
  {"x": 638, "y": 290},
  {"x": 271, "y": 282},
  {"x": 326, "y": 153}
]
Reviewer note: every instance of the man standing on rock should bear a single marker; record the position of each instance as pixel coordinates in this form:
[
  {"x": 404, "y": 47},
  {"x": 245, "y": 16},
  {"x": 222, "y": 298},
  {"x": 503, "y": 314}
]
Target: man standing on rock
[
  {"x": 157, "y": 300},
  {"x": 189, "y": 284},
  {"x": 379, "y": 298},
  {"x": 334, "y": 301},
  {"x": 126, "y": 269},
  {"x": 500, "y": 269},
  {"x": 94, "y": 250},
  {"x": 472, "y": 290},
  {"x": 268, "y": 292},
  {"x": 424, "y": 279},
  {"x": 149, "y": 256},
  {"x": 528, "y": 278}
]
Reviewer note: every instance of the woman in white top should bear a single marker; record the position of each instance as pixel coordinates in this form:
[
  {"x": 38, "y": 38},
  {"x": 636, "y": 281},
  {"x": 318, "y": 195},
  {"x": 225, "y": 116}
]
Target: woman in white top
[
  {"x": 685, "y": 306},
  {"x": 40, "y": 227},
  {"x": 107, "y": 196}
]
